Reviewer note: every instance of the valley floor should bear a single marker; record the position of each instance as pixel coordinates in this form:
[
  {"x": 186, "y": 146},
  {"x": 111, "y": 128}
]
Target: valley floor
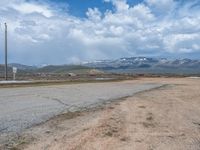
[{"x": 167, "y": 118}]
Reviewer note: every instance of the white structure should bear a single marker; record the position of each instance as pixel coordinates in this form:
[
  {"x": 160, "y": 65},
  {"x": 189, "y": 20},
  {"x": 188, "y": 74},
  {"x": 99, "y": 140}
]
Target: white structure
[{"x": 14, "y": 73}]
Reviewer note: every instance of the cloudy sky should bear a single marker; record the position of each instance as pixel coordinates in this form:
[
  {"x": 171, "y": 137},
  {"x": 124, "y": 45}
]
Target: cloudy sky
[{"x": 72, "y": 31}]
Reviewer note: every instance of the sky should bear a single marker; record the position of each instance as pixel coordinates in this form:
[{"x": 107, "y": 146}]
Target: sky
[{"x": 75, "y": 31}]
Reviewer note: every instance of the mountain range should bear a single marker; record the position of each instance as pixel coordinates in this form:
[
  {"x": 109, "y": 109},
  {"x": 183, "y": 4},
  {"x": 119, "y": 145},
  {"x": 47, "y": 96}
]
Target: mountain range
[
  {"x": 148, "y": 65},
  {"x": 135, "y": 65}
]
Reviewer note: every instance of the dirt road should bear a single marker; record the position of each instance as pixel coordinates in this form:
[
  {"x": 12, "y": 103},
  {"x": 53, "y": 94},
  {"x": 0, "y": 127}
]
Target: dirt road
[{"x": 167, "y": 118}]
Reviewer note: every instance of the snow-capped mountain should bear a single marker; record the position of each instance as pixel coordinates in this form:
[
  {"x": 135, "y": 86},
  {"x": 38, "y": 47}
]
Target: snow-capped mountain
[
  {"x": 136, "y": 65},
  {"x": 145, "y": 64}
]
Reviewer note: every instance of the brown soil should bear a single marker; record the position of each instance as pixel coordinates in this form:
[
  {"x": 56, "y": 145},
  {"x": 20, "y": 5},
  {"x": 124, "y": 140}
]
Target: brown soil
[{"x": 162, "y": 119}]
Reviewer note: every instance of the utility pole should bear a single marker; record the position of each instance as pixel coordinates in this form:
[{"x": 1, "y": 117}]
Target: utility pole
[{"x": 6, "y": 53}]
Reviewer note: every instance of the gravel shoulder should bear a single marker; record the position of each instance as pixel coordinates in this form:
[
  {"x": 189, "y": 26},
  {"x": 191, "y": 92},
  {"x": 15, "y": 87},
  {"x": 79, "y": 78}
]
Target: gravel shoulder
[{"x": 166, "y": 118}]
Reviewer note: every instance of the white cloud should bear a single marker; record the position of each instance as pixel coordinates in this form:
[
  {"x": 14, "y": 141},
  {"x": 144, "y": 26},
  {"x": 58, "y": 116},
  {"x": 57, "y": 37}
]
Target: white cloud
[
  {"x": 142, "y": 12},
  {"x": 120, "y": 5},
  {"x": 183, "y": 42},
  {"x": 28, "y": 8},
  {"x": 45, "y": 35},
  {"x": 94, "y": 14},
  {"x": 161, "y": 6}
]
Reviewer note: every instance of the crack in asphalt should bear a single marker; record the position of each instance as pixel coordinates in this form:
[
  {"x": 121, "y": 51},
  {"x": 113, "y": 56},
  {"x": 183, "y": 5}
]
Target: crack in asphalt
[{"x": 54, "y": 99}]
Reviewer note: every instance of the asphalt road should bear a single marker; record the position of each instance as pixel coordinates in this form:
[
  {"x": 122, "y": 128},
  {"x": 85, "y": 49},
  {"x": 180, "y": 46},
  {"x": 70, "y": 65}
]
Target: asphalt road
[{"x": 21, "y": 108}]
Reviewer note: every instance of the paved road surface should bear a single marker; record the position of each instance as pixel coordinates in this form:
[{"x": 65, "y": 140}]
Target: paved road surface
[{"x": 23, "y": 107}]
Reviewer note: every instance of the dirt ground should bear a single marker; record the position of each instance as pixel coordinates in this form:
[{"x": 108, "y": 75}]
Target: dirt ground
[{"x": 167, "y": 118}]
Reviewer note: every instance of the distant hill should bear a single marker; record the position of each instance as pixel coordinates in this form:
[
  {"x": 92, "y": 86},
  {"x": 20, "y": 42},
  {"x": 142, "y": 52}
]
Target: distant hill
[
  {"x": 10, "y": 69},
  {"x": 47, "y": 69},
  {"x": 148, "y": 65},
  {"x": 23, "y": 67},
  {"x": 51, "y": 72},
  {"x": 2, "y": 69},
  {"x": 64, "y": 69}
]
